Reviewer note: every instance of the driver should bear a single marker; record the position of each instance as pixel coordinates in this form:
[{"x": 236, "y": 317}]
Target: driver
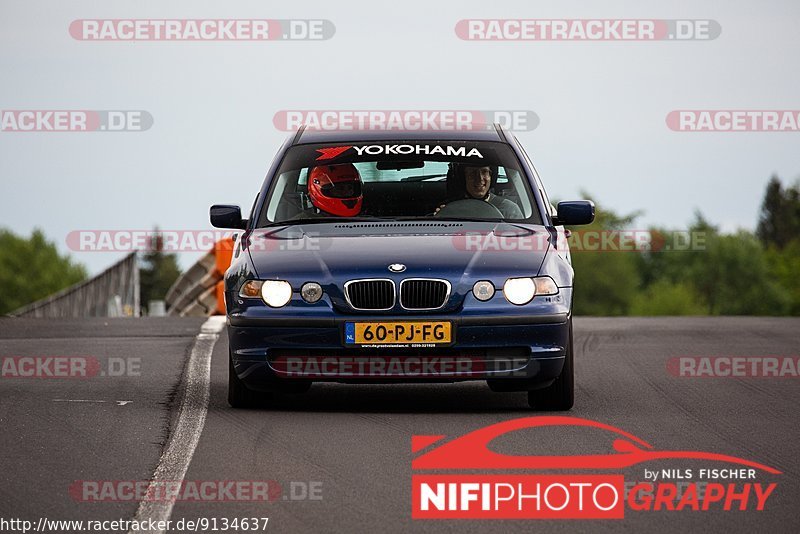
[
  {"x": 478, "y": 182},
  {"x": 334, "y": 190}
]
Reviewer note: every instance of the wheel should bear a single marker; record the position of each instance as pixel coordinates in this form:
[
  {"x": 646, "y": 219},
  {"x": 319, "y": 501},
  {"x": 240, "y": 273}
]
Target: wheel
[
  {"x": 560, "y": 395},
  {"x": 239, "y": 396}
]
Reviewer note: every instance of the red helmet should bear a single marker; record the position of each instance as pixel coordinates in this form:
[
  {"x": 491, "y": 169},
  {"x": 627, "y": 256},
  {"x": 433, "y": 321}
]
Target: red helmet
[{"x": 336, "y": 189}]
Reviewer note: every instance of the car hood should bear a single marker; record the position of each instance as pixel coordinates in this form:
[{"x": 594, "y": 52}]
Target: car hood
[{"x": 451, "y": 250}]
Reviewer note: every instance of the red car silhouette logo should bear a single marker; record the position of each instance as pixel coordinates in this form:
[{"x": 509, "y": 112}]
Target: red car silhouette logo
[{"x": 471, "y": 451}]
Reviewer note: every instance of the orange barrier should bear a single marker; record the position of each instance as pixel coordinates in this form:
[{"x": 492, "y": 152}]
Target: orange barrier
[
  {"x": 223, "y": 251},
  {"x": 199, "y": 292},
  {"x": 224, "y": 255}
]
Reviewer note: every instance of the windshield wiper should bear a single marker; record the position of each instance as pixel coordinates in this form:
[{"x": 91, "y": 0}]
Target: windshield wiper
[
  {"x": 323, "y": 220},
  {"x": 462, "y": 219}
]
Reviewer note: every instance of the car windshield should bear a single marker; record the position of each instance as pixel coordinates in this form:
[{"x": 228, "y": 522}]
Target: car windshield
[{"x": 446, "y": 180}]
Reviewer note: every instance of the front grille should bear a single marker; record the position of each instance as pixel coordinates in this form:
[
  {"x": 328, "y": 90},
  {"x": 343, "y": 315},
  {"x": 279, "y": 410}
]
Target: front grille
[
  {"x": 423, "y": 294},
  {"x": 370, "y": 294}
]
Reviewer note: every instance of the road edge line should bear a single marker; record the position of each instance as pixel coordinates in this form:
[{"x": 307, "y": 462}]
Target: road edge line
[{"x": 175, "y": 460}]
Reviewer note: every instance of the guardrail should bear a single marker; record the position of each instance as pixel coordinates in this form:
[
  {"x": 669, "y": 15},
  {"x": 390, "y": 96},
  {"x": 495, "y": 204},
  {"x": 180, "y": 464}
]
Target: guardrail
[
  {"x": 112, "y": 293},
  {"x": 199, "y": 292}
]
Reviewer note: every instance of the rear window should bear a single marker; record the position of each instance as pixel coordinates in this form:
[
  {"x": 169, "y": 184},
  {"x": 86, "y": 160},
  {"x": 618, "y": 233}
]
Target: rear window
[{"x": 400, "y": 180}]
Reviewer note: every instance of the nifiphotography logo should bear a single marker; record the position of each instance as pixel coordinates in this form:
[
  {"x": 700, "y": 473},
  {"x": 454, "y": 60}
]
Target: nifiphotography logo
[{"x": 472, "y": 481}]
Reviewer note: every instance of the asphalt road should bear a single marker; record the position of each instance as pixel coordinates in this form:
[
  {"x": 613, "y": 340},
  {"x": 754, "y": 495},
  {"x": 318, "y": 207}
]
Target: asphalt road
[{"x": 349, "y": 445}]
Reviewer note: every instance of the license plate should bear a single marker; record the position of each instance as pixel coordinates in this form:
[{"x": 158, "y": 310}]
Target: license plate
[{"x": 398, "y": 333}]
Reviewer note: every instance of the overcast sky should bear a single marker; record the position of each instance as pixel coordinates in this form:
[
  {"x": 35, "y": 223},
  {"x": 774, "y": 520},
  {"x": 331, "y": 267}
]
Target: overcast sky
[{"x": 602, "y": 105}]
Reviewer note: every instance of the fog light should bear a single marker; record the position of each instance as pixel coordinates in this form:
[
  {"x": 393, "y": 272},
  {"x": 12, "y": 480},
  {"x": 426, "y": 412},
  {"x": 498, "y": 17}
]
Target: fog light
[
  {"x": 276, "y": 293},
  {"x": 311, "y": 292},
  {"x": 483, "y": 290}
]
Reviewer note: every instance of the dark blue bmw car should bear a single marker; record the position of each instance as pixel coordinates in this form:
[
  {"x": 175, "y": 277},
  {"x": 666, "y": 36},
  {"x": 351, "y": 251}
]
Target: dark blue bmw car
[{"x": 401, "y": 256}]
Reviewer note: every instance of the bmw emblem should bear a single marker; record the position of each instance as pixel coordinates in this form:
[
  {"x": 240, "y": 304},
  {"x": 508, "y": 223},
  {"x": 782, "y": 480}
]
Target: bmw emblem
[{"x": 397, "y": 267}]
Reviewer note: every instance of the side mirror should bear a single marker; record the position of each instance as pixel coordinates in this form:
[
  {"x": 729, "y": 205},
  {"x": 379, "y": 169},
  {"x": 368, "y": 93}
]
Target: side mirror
[
  {"x": 574, "y": 212},
  {"x": 227, "y": 216}
]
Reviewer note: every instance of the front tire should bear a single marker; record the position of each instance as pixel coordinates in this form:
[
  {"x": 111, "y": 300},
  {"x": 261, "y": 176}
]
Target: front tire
[
  {"x": 239, "y": 396},
  {"x": 560, "y": 395}
]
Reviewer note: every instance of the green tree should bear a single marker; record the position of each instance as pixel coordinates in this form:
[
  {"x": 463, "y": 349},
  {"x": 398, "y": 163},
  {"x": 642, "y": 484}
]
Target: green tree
[
  {"x": 158, "y": 271},
  {"x": 606, "y": 282},
  {"x": 667, "y": 298},
  {"x": 733, "y": 277},
  {"x": 784, "y": 268},
  {"x": 779, "y": 232},
  {"x": 727, "y": 274},
  {"x": 31, "y": 269},
  {"x": 779, "y": 220}
]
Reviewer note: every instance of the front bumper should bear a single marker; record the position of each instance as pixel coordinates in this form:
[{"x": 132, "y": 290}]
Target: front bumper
[{"x": 277, "y": 350}]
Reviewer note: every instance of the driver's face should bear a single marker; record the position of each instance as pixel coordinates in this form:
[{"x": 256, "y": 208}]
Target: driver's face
[{"x": 479, "y": 179}]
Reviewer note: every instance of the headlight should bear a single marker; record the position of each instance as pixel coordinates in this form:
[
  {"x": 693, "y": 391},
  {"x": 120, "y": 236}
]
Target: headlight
[
  {"x": 483, "y": 290},
  {"x": 251, "y": 289},
  {"x": 276, "y": 293},
  {"x": 311, "y": 292},
  {"x": 521, "y": 291}
]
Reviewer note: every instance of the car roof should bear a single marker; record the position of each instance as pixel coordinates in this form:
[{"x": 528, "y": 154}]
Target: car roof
[{"x": 493, "y": 132}]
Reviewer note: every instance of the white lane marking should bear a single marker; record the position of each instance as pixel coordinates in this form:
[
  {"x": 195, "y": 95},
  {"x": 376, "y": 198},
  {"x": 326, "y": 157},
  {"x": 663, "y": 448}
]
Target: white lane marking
[
  {"x": 119, "y": 402},
  {"x": 192, "y": 416}
]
